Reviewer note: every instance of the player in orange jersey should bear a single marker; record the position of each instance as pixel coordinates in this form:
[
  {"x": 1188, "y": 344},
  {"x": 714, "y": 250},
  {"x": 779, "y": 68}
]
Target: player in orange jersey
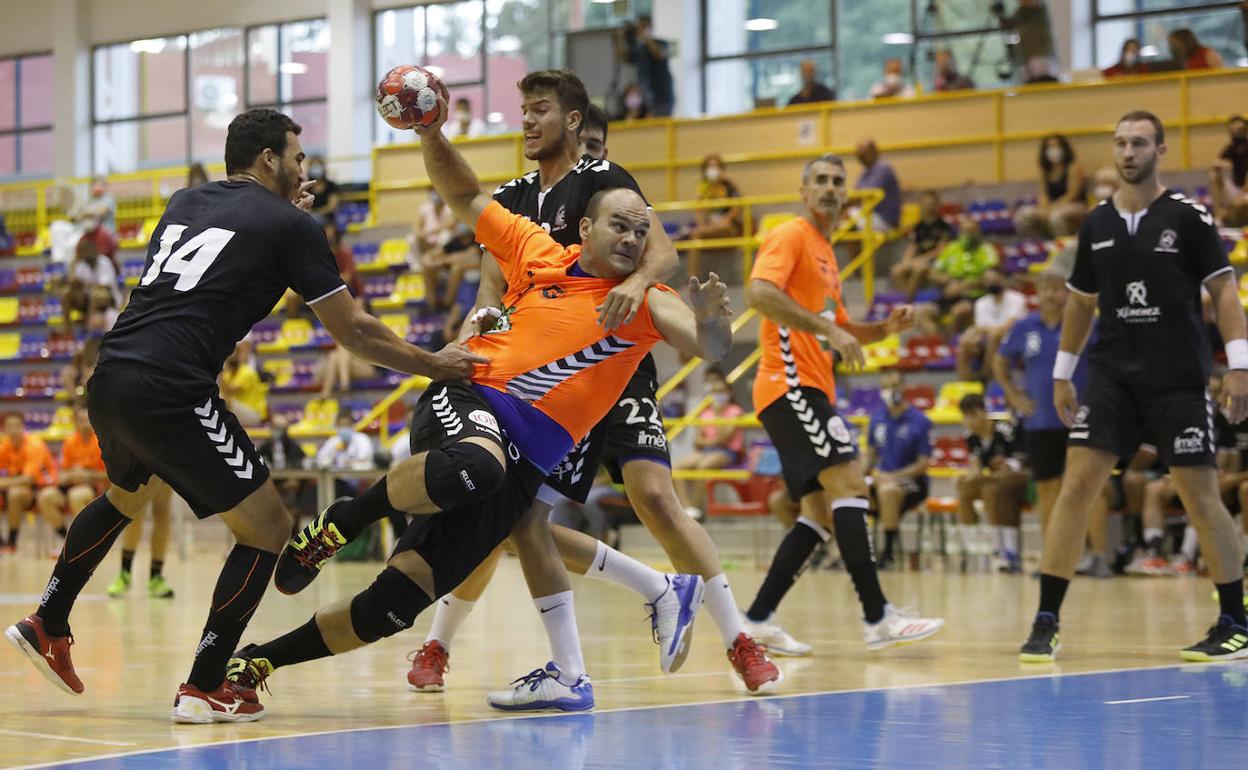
[{"x": 28, "y": 468}]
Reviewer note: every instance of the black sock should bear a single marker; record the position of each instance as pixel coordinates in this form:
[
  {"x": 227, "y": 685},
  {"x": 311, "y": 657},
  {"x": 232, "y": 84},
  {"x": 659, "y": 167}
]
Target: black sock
[
  {"x": 786, "y": 565},
  {"x": 849, "y": 520},
  {"x": 890, "y": 540},
  {"x": 1154, "y": 546},
  {"x": 1231, "y": 599},
  {"x": 242, "y": 583},
  {"x": 93, "y": 532},
  {"x": 354, "y": 516},
  {"x": 398, "y": 523},
  {"x": 299, "y": 646},
  {"x": 13, "y": 536},
  {"x": 1052, "y": 592},
  {"x": 127, "y": 561},
  {"x": 157, "y": 566}
]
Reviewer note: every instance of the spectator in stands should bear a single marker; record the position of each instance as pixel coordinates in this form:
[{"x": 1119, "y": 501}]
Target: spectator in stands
[
  {"x": 1034, "y": 51},
  {"x": 100, "y": 210},
  {"x": 927, "y": 239},
  {"x": 28, "y": 467},
  {"x": 1186, "y": 51},
  {"x": 632, "y": 104},
  {"x": 947, "y": 77},
  {"x": 654, "y": 73},
  {"x": 80, "y": 479},
  {"x": 723, "y": 222},
  {"x": 716, "y": 446},
  {"x": 282, "y": 452},
  {"x": 878, "y": 174},
  {"x": 462, "y": 123},
  {"x": 995, "y": 312},
  {"x": 894, "y": 81},
  {"x": 812, "y": 90},
  {"x": 89, "y": 285},
  {"x": 75, "y": 374},
  {"x": 8, "y": 244},
  {"x": 995, "y": 476},
  {"x": 1129, "y": 61},
  {"x": 958, "y": 271},
  {"x": 1061, "y": 189},
  {"x": 594, "y": 132},
  {"x": 244, "y": 393},
  {"x": 1228, "y": 179},
  {"x": 196, "y": 175},
  {"x": 346, "y": 450},
  {"x": 899, "y": 447},
  {"x": 339, "y": 367},
  {"x": 324, "y": 190},
  {"x": 344, "y": 257}
]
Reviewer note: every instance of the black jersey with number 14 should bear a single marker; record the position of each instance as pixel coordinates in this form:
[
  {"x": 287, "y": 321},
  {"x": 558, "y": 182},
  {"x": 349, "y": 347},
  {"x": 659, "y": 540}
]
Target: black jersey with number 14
[{"x": 219, "y": 260}]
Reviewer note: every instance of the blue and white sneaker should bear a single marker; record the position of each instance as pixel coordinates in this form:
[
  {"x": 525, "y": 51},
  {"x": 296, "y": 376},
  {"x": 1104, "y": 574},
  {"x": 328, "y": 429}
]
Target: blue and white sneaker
[
  {"x": 671, "y": 619},
  {"x": 542, "y": 690}
]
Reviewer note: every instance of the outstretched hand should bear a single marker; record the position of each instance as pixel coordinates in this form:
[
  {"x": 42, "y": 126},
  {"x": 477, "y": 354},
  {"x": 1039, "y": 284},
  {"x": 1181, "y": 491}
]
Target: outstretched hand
[{"x": 709, "y": 299}]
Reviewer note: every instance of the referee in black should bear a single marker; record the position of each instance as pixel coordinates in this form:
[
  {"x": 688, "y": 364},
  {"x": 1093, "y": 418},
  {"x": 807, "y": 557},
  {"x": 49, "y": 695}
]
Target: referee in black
[{"x": 1143, "y": 256}]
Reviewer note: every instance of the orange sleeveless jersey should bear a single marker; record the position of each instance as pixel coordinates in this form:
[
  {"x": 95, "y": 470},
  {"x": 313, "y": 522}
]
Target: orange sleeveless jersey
[
  {"x": 547, "y": 348},
  {"x": 798, "y": 259}
]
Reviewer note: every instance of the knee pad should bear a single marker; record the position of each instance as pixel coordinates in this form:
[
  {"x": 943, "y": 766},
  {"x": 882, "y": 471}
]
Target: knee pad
[
  {"x": 388, "y": 606},
  {"x": 462, "y": 473}
]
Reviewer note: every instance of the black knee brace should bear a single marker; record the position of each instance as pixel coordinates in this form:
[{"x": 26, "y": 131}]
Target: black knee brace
[
  {"x": 462, "y": 473},
  {"x": 388, "y": 606}
]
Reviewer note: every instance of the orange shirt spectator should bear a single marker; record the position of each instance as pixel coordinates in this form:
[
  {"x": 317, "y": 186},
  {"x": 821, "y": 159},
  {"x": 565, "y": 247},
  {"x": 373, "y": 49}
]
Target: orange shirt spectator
[
  {"x": 82, "y": 452},
  {"x": 29, "y": 458}
]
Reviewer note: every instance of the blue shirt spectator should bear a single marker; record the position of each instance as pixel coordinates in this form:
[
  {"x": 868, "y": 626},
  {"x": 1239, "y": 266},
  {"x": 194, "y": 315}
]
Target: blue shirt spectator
[
  {"x": 877, "y": 174},
  {"x": 1035, "y": 344},
  {"x": 899, "y": 440}
]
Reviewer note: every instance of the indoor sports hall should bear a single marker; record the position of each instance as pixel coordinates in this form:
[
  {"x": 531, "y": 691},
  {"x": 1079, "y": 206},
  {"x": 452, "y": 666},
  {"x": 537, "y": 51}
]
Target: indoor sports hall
[{"x": 973, "y": 184}]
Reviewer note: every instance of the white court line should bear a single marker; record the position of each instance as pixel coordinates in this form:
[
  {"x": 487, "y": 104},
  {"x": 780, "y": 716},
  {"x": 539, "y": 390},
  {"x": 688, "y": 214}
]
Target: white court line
[
  {"x": 23, "y": 733},
  {"x": 1146, "y": 700}
]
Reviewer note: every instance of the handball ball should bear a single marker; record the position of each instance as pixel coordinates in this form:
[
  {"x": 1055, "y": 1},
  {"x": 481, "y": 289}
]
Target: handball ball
[{"x": 407, "y": 97}]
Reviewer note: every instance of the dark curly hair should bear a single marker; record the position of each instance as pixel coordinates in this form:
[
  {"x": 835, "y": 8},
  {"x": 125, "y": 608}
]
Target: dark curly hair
[{"x": 253, "y": 131}]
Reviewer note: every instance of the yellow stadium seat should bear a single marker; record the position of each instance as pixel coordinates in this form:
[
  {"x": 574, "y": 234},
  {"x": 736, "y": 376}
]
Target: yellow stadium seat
[
  {"x": 62, "y": 424},
  {"x": 281, "y": 369},
  {"x": 8, "y": 309},
  {"x": 773, "y": 220},
  {"x": 946, "y": 409},
  {"x": 410, "y": 287},
  {"x": 398, "y": 323},
  {"x": 909, "y": 216},
  {"x": 393, "y": 252},
  {"x": 296, "y": 332},
  {"x": 319, "y": 417},
  {"x": 1239, "y": 254},
  {"x": 10, "y": 346}
]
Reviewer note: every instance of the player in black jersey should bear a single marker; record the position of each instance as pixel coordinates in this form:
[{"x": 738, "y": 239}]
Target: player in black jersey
[
  {"x": 1142, "y": 257},
  {"x": 996, "y": 477},
  {"x": 220, "y": 258}
]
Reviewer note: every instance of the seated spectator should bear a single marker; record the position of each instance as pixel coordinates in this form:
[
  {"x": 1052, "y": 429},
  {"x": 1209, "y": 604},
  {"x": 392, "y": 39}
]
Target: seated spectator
[
  {"x": 632, "y": 104},
  {"x": 100, "y": 210},
  {"x": 75, "y": 374},
  {"x": 344, "y": 258},
  {"x": 244, "y": 393},
  {"x": 196, "y": 175},
  {"x": 346, "y": 450},
  {"x": 995, "y": 312},
  {"x": 1129, "y": 61},
  {"x": 282, "y": 452},
  {"x": 462, "y": 124},
  {"x": 8, "y": 244},
  {"x": 324, "y": 190},
  {"x": 812, "y": 90},
  {"x": 436, "y": 227},
  {"x": 1186, "y": 51},
  {"x": 894, "y": 81},
  {"x": 1228, "y": 179},
  {"x": 339, "y": 368},
  {"x": 995, "y": 476},
  {"x": 899, "y": 447},
  {"x": 722, "y": 222},
  {"x": 878, "y": 174},
  {"x": 1061, "y": 190},
  {"x": 445, "y": 269},
  {"x": 89, "y": 288},
  {"x": 958, "y": 271},
  {"x": 716, "y": 446},
  {"x": 80, "y": 480},
  {"x": 467, "y": 265},
  {"x": 947, "y": 77},
  {"x": 27, "y": 467},
  {"x": 926, "y": 240}
]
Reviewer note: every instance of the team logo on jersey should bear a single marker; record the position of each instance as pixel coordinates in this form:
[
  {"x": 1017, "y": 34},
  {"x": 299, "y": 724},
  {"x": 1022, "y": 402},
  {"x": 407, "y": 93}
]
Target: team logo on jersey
[
  {"x": 881, "y": 434},
  {"x": 1138, "y": 310},
  {"x": 1102, "y": 244},
  {"x": 502, "y": 324},
  {"x": 1031, "y": 345},
  {"x": 553, "y": 291},
  {"x": 1190, "y": 442},
  {"x": 1166, "y": 242},
  {"x": 485, "y": 420},
  {"x": 561, "y": 219}
]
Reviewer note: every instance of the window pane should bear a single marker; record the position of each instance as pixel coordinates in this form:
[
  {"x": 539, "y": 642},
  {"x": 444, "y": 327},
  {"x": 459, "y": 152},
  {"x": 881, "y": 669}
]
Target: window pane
[
  {"x": 137, "y": 144},
  {"x": 988, "y": 64},
  {"x": 305, "y": 60},
  {"x": 8, "y": 157},
  {"x": 36, "y": 152},
  {"x": 216, "y": 89},
  {"x": 798, "y": 23},
  {"x": 314, "y": 118},
  {"x": 142, "y": 77},
  {"x": 860, "y": 46},
  {"x": 36, "y": 90},
  {"x": 262, "y": 65},
  {"x": 400, "y": 38},
  {"x": 518, "y": 31},
  {"x": 8, "y": 94},
  {"x": 455, "y": 41},
  {"x": 1110, "y": 7},
  {"x": 739, "y": 85},
  {"x": 1221, "y": 30},
  {"x": 956, "y": 16}
]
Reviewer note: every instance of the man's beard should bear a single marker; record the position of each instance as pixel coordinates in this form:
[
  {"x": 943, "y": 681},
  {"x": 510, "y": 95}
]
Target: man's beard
[{"x": 1142, "y": 171}]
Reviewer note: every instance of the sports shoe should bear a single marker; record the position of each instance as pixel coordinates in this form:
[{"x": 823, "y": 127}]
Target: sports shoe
[
  {"x": 230, "y": 702},
  {"x": 248, "y": 671},
  {"x": 1225, "y": 641},
  {"x": 1094, "y": 565},
  {"x": 1044, "y": 642},
  {"x": 157, "y": 588},
  {"x": 120, "y": 585},
  {"x": 899, "y": 627},
  {"x": 749, "y": 660},
  {"x": 1181, "y": 566},
  {"x": 1149, "y": 565},
  {"x": 49, "y": 654},
  {"x": 541, "y": 690},
  {"x": 306, "y": 553},
  {"x": 429, "y": 663},
  {"x": 1008, "y": 562},
  {"x": 776, "y": 639},
  {"x": 671, "y": 619}
]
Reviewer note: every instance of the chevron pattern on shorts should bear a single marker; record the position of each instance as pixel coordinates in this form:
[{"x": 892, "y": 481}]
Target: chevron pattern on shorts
[
  {"x": 220, "y": 436},
  {"x": 446, "y": 414},
  {"x": 805, "y": 414},
  {"x": 534, "y": 384}
]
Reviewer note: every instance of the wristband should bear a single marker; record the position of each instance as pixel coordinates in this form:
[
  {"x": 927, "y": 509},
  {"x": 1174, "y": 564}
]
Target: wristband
[
  {"x": 1064, "y": 366},
  {"x": 1237, "y": 354}
]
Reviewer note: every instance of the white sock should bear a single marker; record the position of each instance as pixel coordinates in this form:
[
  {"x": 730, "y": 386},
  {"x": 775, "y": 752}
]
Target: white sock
[
  {"x": 969, "y": 540},
  {"x": 718, "y": 600},
  {"x": 565, "y": 643},
  {"x": 447, "y": 618},
  {"x": 1190, "y": 542},
  {"x": 1009, "y": 539},
  {"x": 614, "y": 567}
]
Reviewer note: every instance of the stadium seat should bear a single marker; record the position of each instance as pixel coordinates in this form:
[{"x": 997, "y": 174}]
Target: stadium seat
[
  {"x": 297, "y": 333},
  {"x": 318, "y": 418},
  {"x": 773, "y": 220},
  {"x": 946, "y": 409},
  {"x": 399, "y": 323},
  {"x": 9, "y": 310},
  {"x": 61, "y": 426},
  {"x": 922, "y": 397},
  {"x": 282, "y": 370},
  {"x": 393, "y": 252},
  {"x": 950, "y": 452}
]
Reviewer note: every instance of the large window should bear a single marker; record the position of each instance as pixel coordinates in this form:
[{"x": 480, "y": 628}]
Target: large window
[
  {"x": 169, "y": 100},
  {"x": 1218, "y": 25},
  {"x": 26, "y": 104}
]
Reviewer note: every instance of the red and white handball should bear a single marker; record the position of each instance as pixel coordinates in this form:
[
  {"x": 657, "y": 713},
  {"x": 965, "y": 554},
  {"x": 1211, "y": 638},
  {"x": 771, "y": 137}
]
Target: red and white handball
[{"x": 407, "y": 97}]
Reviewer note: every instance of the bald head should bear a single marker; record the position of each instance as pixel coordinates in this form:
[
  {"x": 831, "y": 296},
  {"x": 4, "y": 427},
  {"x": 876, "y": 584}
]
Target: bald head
[
  {"x": 866, "y": 152},
  {"x": 613, "y": 232},
  {"x": 808, "y": 71}
]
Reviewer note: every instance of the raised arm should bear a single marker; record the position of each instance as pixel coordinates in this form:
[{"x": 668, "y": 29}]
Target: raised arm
[
  {"x": 451, "y": 175},
  {"x": 705, "y": 330}
]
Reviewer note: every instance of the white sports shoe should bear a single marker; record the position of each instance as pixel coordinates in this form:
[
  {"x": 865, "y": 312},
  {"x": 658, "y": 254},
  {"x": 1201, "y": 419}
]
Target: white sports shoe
[
  {"x": 899, "y": 627},
  {"x": 671, "y": 619},
  {"x": 776, "y": 639},
  {"x": 541, "y": 690}
]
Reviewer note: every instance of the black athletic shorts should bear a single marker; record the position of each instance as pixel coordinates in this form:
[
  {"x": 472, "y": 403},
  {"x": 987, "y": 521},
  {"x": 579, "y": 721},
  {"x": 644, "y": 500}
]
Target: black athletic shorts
[
  {"x": 632, "y": 430},
  {"x": 178, "y": 430},
  {"x": 455, "y": 541},
  {"x": 1114, "y": 417},
  {"x": 1046, "y": 453},
  {"x": 916, "y": 492},
  {"x": 809, "y": 436}
]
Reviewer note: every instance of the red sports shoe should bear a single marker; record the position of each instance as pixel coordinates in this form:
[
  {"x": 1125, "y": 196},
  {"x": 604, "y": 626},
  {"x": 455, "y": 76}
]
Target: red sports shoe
[
  {"x": 49, "y": 654},
  {"x": 228, "y": 703},
  {"x": 429, "y": 663},
  {"x": 749, "y": 660}
]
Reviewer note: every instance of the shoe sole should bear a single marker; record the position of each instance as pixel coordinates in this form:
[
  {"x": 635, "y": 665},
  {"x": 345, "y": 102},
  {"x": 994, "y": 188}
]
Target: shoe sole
[
  {"x": 544, "y": 707},
  {"x": 426, "y": 687},
  {"x": 1039, "y": 657},
  {"x": 884, "y": 645},
  {"x": 15, "y": 637},
  {"x": 200, "y": 713},
  {"x": 788, "y": 652},
  {"x": 1204, "y": 657},
  {"x": 766, "y": 688},
  {"x": 684, "y": 639}
]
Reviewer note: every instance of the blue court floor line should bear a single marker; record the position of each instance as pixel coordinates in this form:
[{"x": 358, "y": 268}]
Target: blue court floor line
[{"x": 1063, "y": 721}]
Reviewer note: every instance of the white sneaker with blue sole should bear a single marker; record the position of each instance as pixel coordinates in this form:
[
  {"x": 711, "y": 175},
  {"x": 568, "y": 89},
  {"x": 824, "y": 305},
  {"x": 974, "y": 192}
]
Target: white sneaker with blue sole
[
  {"x": 671, "y": 619},
  {"x": 542, "y": 690}
]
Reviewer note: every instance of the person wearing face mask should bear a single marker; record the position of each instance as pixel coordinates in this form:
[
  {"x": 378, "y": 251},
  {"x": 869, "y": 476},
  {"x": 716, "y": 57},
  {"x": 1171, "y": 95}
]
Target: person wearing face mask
[
  {"x": 1129, "y": 61},
  {"x": 632, "y": 104},
  {"x": 462, "y": 124},
  {"x": 1229, "y": 176},
  {"x": 995, "y": 312},
  {"x": 893, "y": 83},
  {"x": 1061, "y": 189},
  {"x": 347, "y": 449},
  {"x": 812, "y": 90},
  {"x": 959, "y": 271},
  {"x": 323, "y": 189},
  {"x": 947, "y": 77},
  {"x": 899, "y": 447},
  {"x": 716, "y": 446},
  {"x": 724, "y": 222}
]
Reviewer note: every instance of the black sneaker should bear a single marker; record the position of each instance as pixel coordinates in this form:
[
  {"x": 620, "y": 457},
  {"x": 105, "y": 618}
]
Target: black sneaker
[
  {"x": 1044, "y": 642},
  {"x": 1226, "y": 641},
  {"x": 306, "y": 553}
]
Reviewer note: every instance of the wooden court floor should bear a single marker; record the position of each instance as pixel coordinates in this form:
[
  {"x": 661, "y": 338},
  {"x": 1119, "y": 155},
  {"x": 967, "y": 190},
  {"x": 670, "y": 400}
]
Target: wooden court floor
[{"x": 132, "y": 653}]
